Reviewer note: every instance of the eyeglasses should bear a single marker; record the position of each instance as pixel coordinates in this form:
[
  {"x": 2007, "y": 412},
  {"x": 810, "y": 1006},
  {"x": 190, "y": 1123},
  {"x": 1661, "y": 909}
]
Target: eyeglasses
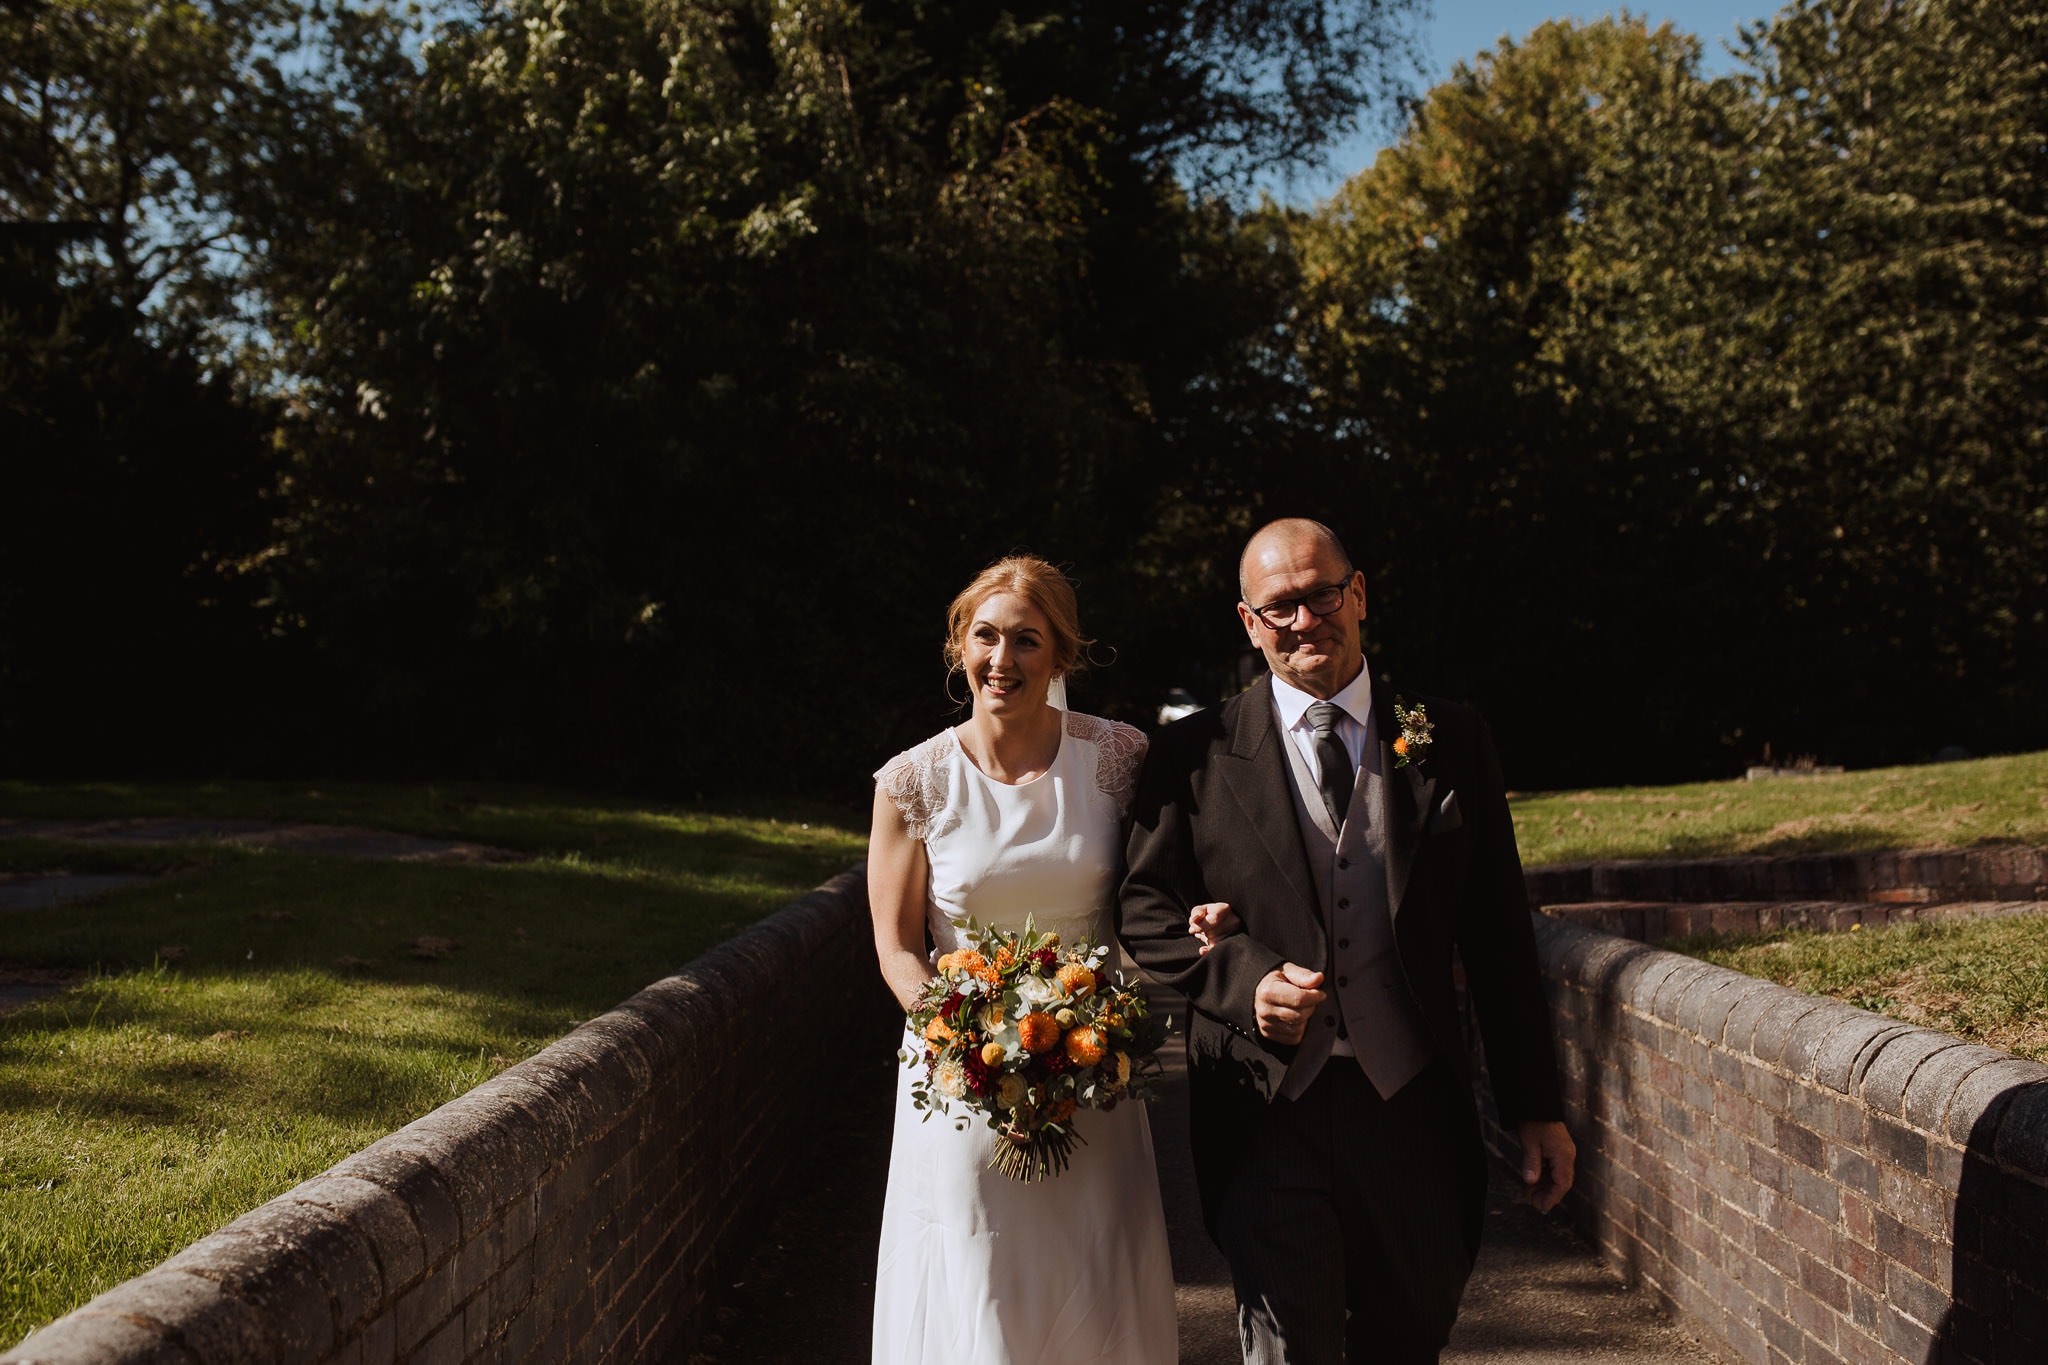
[{"x": 1279, "y": 615}]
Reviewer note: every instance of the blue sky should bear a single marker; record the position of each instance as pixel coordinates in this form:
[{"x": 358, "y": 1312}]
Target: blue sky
[{"x": 1457, "y": 29}]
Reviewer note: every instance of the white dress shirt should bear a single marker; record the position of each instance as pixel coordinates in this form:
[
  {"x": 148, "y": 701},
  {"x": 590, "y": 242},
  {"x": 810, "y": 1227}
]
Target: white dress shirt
[{"x": 1354, "y": 721}]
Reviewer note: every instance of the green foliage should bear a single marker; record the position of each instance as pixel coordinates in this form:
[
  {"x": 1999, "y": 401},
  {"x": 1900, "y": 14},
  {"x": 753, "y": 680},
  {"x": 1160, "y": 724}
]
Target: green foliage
[
  {"x": 664, "y": 368},
  {"x": 1624, "y": 361},
  {"x": 122, "y": 127},
  {"x": 615, "y": 392},
  {"x": 133, "y": 466}
]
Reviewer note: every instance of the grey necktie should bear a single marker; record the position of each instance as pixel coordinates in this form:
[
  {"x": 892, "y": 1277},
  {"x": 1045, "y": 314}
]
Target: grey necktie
[{"x": 1333, "y": 762}]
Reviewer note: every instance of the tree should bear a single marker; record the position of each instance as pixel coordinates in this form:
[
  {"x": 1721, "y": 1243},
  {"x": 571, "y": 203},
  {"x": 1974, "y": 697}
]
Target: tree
[
  {"x": 134, "y": 466},
  {"x": 1491, "y": 320},
  {"x": 629, "y": 335},
  {"x": 1627, "y": 362},
  {"x": 1893, "y": 252}
]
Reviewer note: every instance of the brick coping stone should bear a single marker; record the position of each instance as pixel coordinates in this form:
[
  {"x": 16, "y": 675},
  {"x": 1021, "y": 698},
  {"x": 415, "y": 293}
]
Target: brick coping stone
[
  {"x": 1655, "y": 921},
  {"x": 1911, "y": 876}
]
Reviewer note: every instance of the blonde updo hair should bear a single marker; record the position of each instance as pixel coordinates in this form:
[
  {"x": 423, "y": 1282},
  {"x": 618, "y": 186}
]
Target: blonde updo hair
[{"x": 1040, "y": 584}]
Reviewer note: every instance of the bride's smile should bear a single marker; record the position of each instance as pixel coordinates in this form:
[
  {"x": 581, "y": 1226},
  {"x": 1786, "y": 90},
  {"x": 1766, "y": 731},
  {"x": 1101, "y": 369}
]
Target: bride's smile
[{"x": 1006, "y": 658}]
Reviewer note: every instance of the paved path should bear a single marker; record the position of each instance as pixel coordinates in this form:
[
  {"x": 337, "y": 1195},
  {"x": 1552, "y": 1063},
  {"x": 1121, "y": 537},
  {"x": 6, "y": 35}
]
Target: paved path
[
  {"x": 41, "y": 891},
  {"x": 1538, "y": 1296}
]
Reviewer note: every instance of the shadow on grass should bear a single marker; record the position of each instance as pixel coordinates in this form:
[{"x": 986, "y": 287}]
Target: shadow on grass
[{"x": 579, "y": 931}]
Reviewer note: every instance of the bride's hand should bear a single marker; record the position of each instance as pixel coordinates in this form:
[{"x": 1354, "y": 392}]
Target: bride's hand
[{"x": 1212, "y": 922}]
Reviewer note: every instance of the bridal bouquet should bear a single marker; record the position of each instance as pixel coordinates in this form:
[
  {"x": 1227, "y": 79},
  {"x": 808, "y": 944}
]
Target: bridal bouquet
[{"x": 1025, "y": 1031}]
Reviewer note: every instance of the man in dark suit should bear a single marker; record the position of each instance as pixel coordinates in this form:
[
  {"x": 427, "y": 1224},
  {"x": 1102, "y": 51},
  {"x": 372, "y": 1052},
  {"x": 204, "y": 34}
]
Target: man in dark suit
[{"x": 1355, "y": 839}]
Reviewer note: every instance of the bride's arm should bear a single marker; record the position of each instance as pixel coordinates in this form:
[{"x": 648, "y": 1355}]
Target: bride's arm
[{"x": 897, "y": 875}]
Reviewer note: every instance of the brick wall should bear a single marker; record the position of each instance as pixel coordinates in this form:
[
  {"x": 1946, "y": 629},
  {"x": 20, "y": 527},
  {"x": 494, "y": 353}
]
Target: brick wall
[
  {"x": 574, "y": 1208},
  {"x": 1800, "y": 1180},
  {"x": 1655, "y": 921},
  {"x": 1975, "y": 874}
]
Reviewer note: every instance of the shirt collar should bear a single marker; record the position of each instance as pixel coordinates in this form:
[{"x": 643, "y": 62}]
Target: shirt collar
[{"x": 1355, "y": 700}]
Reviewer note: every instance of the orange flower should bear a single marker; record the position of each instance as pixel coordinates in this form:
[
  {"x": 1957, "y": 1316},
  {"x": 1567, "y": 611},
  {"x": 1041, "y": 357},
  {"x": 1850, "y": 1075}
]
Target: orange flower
[
  {"x": 974, "y": 964},
  {"x": 1401, "y": 745},
  {"x": 1075, "y": 979},
  {"x": 1005, "y": 959},
  {"x": 1038, "y": 1031},
  {"x": 939, "y": 1031},
  {"x": 1062, "y": 1110},
  {"x": 1085, "y": 1046}
]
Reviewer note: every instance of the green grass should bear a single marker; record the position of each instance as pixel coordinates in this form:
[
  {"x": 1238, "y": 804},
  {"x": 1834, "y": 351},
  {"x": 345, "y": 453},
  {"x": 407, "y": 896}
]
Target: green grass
[
  {"x": 1985, "y": 980},
  {"x": 1949, "y": 805},
  {"x": 154, "y": 1101}
]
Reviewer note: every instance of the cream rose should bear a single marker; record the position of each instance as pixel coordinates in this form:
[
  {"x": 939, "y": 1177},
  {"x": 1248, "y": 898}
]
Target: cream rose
[
  {"x": 951, "y": 1079},
  {"x": 1036, "y": 990}
]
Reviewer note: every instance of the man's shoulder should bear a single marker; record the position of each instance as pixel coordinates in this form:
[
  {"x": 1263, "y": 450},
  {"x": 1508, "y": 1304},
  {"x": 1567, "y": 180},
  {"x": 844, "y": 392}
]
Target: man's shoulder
[{"x": 1188, "y": 742}]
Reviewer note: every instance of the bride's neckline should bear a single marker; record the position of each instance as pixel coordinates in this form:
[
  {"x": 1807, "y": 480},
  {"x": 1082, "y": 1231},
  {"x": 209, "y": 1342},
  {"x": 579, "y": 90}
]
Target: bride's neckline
[{"x": 953, "y": 732}]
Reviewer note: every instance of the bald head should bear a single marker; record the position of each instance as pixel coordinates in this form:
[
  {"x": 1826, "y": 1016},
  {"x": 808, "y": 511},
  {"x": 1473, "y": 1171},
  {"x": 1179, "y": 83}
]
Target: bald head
[{"x": 1286, "y": 539}]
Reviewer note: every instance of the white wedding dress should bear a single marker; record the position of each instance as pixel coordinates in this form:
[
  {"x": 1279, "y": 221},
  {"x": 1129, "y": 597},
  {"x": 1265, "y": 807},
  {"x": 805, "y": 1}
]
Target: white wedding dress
[{"x": 976, "y": 1268}]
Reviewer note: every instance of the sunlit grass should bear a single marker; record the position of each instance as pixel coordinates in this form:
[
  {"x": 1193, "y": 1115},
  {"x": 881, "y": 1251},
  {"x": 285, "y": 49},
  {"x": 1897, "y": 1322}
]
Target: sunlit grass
[
  {"x": 1948, "y": 805},
  {"x": 1985, "y": 980},
  {"x": 292, "y": 1022}
]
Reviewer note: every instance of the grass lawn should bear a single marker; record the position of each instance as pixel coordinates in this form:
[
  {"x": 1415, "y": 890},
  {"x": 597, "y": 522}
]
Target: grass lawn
[
  {"x": 1985, "y": 980},
  {"x": 1948, "y": 805},
  {"x": 157, "y": 1100}
]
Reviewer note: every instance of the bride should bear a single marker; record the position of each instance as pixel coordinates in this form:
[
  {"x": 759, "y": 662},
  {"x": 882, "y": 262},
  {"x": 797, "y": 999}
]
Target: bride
[{"x": 1016, "y": 812}]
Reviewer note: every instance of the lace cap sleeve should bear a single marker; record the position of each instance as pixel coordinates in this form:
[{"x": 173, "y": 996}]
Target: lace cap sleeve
[
  {"x": 915, "y": 782},
  {"x": 1119, "y": 751}
]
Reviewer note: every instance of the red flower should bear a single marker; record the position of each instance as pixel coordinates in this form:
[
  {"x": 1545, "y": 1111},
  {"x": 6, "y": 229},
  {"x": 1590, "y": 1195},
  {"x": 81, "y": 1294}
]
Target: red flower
[{"x": 980, "y": 1075}]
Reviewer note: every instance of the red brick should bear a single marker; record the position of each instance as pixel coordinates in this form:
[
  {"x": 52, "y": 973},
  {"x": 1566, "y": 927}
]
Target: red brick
[
  {"x": 1859, "y": 1219},
  {"x": 1917, "y": 1203},
  {"x": 1825, "y": 1285},
  {"x": 1815, "y": 1319},
  {"x": 1908, "y": 1292},
  {"x": 1855, "y": 1348},
  {"x": 1860, "y": 1262}
]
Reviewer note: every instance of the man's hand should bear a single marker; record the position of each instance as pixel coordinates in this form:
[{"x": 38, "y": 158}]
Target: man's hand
[
  {"x": 1287, "y": 997},
  {"x": 1211, "y": 923},
  {"x": 1548, "y": 1156}
]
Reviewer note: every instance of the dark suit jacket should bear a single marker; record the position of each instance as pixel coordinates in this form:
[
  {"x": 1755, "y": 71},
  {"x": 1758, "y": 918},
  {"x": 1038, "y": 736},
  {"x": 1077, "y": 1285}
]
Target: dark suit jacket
[{"x": 1213, "y": 820}]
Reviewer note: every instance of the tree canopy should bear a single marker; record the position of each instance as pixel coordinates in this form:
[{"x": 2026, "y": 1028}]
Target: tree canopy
[{"x": 617, "y": 390}]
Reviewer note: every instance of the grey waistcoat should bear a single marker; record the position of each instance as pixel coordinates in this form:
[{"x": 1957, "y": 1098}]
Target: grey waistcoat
[{"x": 1370, "y": 1006}]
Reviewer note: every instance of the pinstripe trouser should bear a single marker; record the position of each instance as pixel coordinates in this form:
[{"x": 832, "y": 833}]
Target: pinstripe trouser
[{"x": 1351, "y": 1223}]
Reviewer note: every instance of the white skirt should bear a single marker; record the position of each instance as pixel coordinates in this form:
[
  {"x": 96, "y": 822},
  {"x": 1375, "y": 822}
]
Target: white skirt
[{"x": 978, "y": 1269}]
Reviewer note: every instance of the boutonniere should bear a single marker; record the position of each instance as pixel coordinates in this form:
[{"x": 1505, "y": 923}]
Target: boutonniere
[{"x": 1412, "y": 744}]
